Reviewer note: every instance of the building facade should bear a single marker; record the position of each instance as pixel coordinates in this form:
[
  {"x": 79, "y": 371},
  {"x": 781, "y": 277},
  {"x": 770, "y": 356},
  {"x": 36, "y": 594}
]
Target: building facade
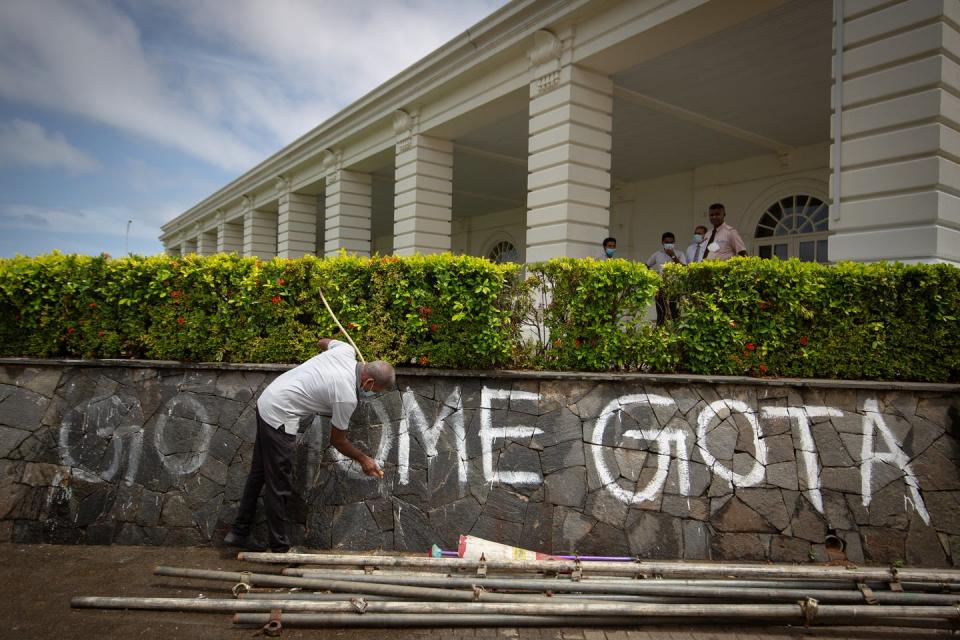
[{"x": 553, "y": 124}]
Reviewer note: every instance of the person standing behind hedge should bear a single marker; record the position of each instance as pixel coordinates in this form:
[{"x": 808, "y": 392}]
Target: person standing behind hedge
[
  {"x": 668, "y": 253},
  {"x": 724, "y": 241},
  {"x": 609, "y": 248},
  {"x": 329, "y": 383}
]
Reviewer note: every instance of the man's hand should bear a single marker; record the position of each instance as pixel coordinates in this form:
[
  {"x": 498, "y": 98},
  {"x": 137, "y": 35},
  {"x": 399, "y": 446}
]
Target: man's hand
[{"x": 371, "y": 468}]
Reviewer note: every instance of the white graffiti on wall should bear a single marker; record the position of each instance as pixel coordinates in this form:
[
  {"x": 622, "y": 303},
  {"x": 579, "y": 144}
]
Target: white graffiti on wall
[{"x": 109, "y": 417}]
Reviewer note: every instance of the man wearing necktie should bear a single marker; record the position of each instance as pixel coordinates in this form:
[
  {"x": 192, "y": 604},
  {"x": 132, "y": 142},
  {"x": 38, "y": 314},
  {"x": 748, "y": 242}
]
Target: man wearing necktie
[
  {"x": 725, "y": 241},
  {"x": 694, "y": 252}
]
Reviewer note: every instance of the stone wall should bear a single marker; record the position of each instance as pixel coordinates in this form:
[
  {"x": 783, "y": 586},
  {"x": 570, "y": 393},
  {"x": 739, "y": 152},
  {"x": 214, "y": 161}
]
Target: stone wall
[{"x": 653, "y": 466}]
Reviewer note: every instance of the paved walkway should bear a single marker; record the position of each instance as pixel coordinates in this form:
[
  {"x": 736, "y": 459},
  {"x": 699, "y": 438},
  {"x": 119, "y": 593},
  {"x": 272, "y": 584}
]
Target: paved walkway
[{"x": 37, "y": 582}]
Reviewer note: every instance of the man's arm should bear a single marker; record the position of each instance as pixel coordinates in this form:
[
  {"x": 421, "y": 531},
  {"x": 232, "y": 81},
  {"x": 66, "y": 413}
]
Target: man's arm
[
  {"x": 338, "y": 438},
  {"x": 324, "y": 343}
]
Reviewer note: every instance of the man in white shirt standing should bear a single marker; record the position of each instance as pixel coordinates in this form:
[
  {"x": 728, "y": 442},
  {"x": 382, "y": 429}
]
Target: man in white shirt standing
[
  {"x": 696, "y": 250},
  {"x": 329, "y": 383},
  {"x": 667, "y": 253}
]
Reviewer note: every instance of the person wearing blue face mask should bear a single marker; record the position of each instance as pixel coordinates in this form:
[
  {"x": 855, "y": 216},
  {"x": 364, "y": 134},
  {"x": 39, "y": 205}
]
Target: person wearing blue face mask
[
  {"x": 696, "y": 250},
  {"x": 667, "y": 253},
  {"x": 609, "y": 248},
  {"x": 330, "y": 383}
]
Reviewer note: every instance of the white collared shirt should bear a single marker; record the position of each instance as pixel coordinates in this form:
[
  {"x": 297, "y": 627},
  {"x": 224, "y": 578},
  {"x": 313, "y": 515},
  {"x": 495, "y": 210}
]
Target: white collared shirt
[{"x": 325, "y": 384}]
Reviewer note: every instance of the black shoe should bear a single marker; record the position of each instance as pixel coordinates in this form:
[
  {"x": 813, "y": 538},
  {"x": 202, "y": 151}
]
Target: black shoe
[{"x": 243, "y": 542}]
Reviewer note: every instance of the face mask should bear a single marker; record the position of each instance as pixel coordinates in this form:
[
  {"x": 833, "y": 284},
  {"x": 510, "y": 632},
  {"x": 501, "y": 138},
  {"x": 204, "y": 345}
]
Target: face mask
[
  {"x": 366, "y": 395},
  {"x": 698, "y": 238},
  {"x": 610, "y": 251},
  {"x": 667, "y": 246}
]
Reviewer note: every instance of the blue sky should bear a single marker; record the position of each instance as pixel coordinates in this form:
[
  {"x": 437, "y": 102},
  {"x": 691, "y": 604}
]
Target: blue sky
[{"x": 117, "y": 110}]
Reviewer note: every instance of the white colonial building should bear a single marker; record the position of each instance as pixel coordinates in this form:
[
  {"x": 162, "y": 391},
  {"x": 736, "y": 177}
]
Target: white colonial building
[{"x": 552, "y": 124}]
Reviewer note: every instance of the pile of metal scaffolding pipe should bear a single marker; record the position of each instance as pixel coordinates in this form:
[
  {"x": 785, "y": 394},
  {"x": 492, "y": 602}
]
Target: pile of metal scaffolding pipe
[
  {"x": 662, "y": 568},
  {"x": 642, "y": 587}
]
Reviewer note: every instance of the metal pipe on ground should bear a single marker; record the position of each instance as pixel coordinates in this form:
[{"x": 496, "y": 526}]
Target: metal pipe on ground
[
  {"x": 414, "y": 620},
  {"x": 424, "y": 593},
  {"x": 340, "y": 597},
  {"x": 645, "y": 568},
  {"x": 641, "y": 588},
  {"x": 809, "y": 612},
  {"x": 760, "y": 584}
]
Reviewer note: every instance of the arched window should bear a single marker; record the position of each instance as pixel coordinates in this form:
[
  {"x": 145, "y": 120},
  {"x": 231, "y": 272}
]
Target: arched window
[
  {"x": 503, "y": 251},
  {"x": 793, "y": 227}
]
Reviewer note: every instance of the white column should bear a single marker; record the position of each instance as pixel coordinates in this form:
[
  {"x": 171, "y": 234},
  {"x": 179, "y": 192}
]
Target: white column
[
  {"x": 229, "y": 234},
  {"x": 188, "y": 246},
  {"x": 899, "y": 179},
  {"x": 206, "y": 241},
  {"x": 349, "y": 205},
  {"x": 568, "y": 185},
  {"x": 423, "y": 195},
  {"x": 259, "y": 232},
  {"x": 296, "y": 222}
]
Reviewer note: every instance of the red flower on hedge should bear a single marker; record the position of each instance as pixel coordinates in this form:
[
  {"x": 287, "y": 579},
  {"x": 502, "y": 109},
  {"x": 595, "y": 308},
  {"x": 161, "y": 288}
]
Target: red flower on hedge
[
  {"x": 93, "y": 305},
  {"x": 763, "y": 369},
  {"x": 275, "y": 299},
  {"x": 181, "y": 320},
  {"x": 71, "y": 330},
  {"x": 803, "y": 340},
  {"x": 101, "y": 333},
  {"x": 351, "y": 326},
  {"x": 434, "y": 327},
  {"x": 281, "y": 281},
  {"x": 733, "y": 323},
  {"x": 424, "y": 361},
  {"x": 750, "y": 346}
]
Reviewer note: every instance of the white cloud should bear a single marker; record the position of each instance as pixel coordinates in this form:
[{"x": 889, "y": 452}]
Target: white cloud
[
  {"x": 229, "y": 83},
  {"x": 105, "y": 220},
  {"x": 85, "y": 58},
  {"x": 27, "y": 144}
]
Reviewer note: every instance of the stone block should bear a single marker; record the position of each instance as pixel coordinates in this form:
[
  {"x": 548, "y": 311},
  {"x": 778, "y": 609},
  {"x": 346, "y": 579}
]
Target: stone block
[
  {"x": 883, "y": 546},
  {"x": 807, "y": 524},
  {"x": 696, "y": 540},
  {"x": 887, "y": 508},
  {"x": 654, "y": 535},
  {"x": 23, "y": 409},
  {"x": 10, "y": 439},
  {"x": 944, "y": 509},
  {"x": 736, "y": 516},
  {"x": 684, "y": 397},
  {"x": 566, "y": 487},
  {"x": 231, "y": 385},
  {"x": 505, "y": 505},
  {"x": 537, "y": 533},
  {"x": 738, "y": 546},
  {"x": 502, "y": 531},
  {"x": 843, "y": 479},
  {"x": 836, "y": 510},
  {"x": 779, "y": 448},
  {"x": 176, "y": 512},
  {"x": 923, "y": 547},
  {"x": 787, "y": 549},
  {"x": 783, "y": 475},
  {"x": 570, "y": 528},
  {"x": 560, "y": 425},
  {"x": 853, "y": 546},
  {"x": 411, "y": 530},
  {"x": 768, "y": 504},
  {"x": 319, "y": 531},
  {"x": 686, "y": 507},
  {"x": 604, "y": 539},
  {"x": 354, "y": 528},
  {"x": 605, "y": 507},
  {"x": 830, "y": 447}
]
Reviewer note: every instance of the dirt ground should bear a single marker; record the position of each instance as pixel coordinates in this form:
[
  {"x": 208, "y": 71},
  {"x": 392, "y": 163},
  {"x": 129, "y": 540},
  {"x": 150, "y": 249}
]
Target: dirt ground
[{"x": 37, "y": 582}]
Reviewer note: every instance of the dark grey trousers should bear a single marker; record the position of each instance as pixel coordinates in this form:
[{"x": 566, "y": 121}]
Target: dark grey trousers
[{"x": 272, "y": 467}]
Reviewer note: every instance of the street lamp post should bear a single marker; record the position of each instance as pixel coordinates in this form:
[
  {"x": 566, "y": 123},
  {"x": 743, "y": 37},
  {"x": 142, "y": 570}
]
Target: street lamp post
[{"x": 126, "y": 238}]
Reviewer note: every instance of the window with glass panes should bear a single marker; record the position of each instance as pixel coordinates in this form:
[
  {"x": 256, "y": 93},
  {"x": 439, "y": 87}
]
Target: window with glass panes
[
  {"x": 503, "y": 251},
  {"x": 793, "y": 227}
]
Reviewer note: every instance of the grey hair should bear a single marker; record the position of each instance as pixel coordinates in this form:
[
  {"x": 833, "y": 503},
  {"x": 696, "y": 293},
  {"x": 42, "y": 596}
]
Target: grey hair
[{"x": 382, "y": 374}]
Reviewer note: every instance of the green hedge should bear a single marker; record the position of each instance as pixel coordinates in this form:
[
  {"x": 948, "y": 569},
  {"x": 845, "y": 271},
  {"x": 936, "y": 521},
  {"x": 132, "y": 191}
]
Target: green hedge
[
  {"x": 444, "y": 311},
  {"x": 790, "y": 318},
  {"x": 742, "y": 317}
]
